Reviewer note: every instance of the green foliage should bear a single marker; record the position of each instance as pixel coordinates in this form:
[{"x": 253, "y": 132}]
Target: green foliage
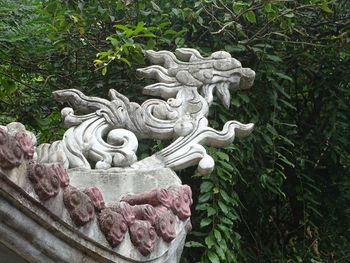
[{"x": 280, "y": 195}]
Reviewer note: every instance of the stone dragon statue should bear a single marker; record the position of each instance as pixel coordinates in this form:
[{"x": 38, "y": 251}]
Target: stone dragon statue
[
  {"x": 107, "y": 134},
  {"x": 88, "y": 196}
]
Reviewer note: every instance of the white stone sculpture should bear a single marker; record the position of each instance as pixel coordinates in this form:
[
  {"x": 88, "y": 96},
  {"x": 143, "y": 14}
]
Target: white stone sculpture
[
  {"x": 106, "y": 206},
  {"x": 187, "y": 80}
]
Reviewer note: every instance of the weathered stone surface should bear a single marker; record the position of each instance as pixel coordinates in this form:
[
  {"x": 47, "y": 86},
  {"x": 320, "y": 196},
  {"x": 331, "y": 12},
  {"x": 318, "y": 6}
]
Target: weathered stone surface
[
  {"x": 96, "y": 197},
  {"x": 69, "y": 245},
  {"x": 25, "y": 143},
  {"x": 155, "y": 197},
  {"x": 145, "y": 212},
  {"x": 125, "y": 210},
  {"x": 45, "y": 181},
  {"x": 62, "y": 174},
  {"x": 79, "y": 206},
  {"x": 143, "y": 236},
  {"x": 181, "y": 201},
  {"x": 165, "y": 224},
  {"x": 10, "y": 151},
  {"x": 113, "y": 225},
  {"x": 115, "y": 183}
]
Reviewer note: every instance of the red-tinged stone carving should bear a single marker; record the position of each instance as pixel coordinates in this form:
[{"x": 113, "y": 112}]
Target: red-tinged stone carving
[
  {"x": 143, "y": 236},
  {"x": 25, "y": 143},
  {"x": 45, "y": 181},
  {"x": 165, "y": 224},
  {"x": 125, "y": 210},
  {"x": 145, "y": 212},
  {"x": 155, "y": 197},
  {"x": 62, "y": 173},
  {"x": 182, "y": 201},
  {"x": 10, "y": 151},
  {"x": 113, "y": 225},
  {"x": 79, "y": 206},
  {"x": 96, "y": 197}
]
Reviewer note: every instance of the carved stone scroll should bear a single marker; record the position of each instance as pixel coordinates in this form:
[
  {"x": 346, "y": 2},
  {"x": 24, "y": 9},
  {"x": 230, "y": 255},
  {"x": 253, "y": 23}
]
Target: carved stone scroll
[{"x": 106, "y": 135}]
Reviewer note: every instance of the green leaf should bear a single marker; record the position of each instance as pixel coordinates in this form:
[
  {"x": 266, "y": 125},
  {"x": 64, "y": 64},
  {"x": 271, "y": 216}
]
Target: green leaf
[
  {"x": 209, "y": 241},
  {"x": 287, "y": 104},
  {"x": 194, "y": 244},
  {"x": 325, "y": 7},
  {"x": 283, "y": 76},
  {"x": 155, "y": 6},
  {"x": 104, "y": 71},
  {"x": 125, "y": 61},
  {"x": 223, "y": 207},
  {"x": 268, "y": 8},
  {"x": 274, "y": 58},
  {"x": 220, "y": 251},
  {"x": 206, "y": 186},
  {"x": 217, "y": 235},
  {"x": 52, "y": 7},
  {"x": 205, "y": 197},
  {"x": 211, "y": 211},
  {"x": 267, "y": 139},
  {"x": 213, "y": 257},
  {"x": 250, "y": 16},
  {"x": 205, "y": 222},
  {"x": 223, "y": 156},
  {"x": 225, "y": 196},
  {"x": 139, "y": 27},
  {"x": 8, "y": 85}
]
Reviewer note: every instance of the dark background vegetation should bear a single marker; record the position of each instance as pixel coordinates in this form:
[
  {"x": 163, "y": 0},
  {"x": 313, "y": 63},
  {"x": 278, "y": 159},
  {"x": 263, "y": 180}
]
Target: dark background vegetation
[{"x": 281, "y": 195}]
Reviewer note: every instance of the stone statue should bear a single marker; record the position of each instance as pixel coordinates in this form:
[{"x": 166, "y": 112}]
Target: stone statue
[{"x": 89, "y": 195}]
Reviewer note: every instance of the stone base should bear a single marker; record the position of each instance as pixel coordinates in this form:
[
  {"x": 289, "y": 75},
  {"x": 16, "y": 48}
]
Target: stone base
[{"x": 30, "y": 231}]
